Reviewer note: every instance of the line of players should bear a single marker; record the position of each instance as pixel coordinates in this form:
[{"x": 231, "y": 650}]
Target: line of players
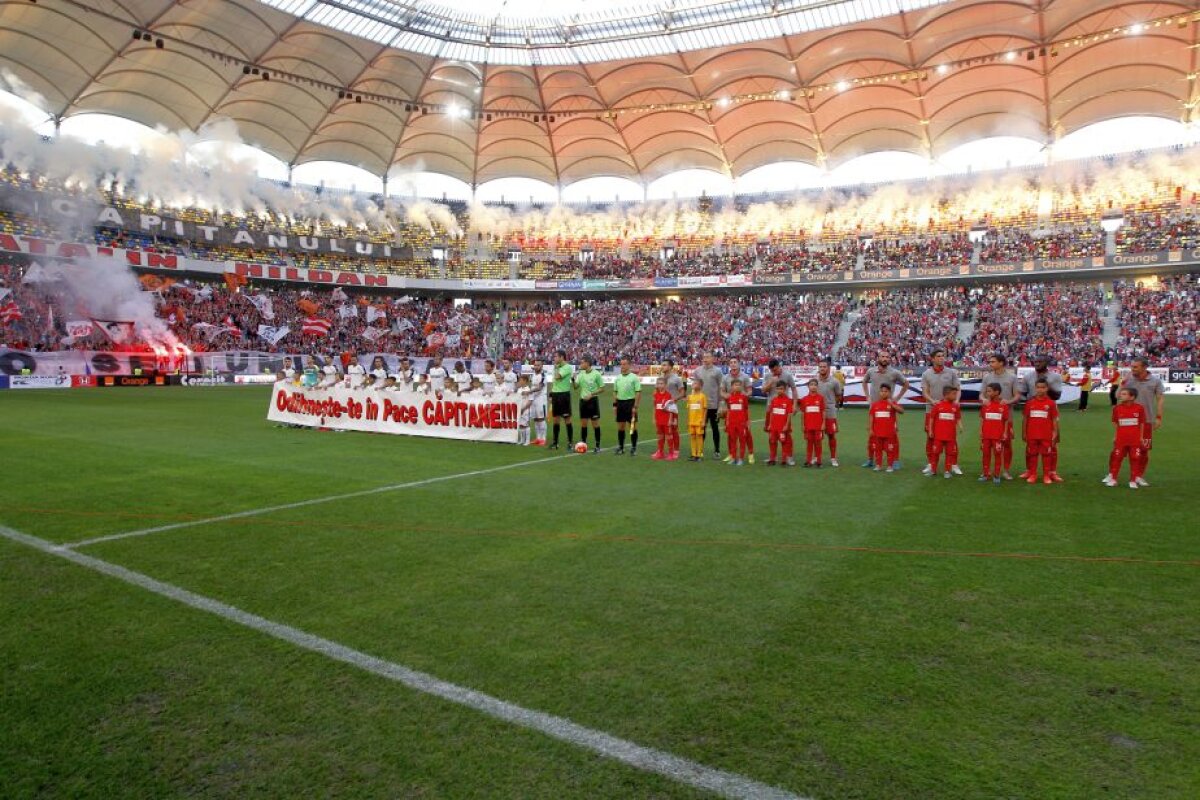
[
  {"x": 717, "y": 394},
  {"x": 1137, "y": 413}
]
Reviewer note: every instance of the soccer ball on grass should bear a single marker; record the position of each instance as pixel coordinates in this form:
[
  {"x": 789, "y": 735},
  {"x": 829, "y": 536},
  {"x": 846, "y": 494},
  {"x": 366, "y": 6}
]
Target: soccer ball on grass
[{"x": 581, "y": 447}]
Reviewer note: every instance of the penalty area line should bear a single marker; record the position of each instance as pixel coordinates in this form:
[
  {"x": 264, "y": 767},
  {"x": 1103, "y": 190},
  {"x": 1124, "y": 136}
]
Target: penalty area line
[
  {"x": 254, "y": 512},
  {"x": 646, "y": 759}
]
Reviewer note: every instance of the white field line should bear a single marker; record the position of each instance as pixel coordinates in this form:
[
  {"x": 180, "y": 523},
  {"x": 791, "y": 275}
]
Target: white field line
[
  {"x": 682, "y": 770},
  {"x": 254, "y": 512}
]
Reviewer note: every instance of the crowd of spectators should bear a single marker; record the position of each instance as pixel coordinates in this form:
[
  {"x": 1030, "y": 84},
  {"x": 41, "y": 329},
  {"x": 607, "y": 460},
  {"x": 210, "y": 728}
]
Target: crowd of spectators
[
  {"x": 936, "y": 251},
  {"x": 1060, "y": 321},
  {"x": 1151, "y": 233},
  {"x": 911, "y": 322},
  {"x": 216, "y": 316},
  {"x": 1014, "y": 244},
  {"x": 1160, "y": 320}
]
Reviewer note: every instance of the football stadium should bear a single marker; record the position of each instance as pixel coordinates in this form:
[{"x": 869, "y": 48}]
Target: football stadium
[{"x": 609, "y": 399}]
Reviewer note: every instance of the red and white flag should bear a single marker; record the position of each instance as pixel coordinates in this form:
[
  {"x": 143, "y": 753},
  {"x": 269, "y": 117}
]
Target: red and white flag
[
  {"x": 315, "y": 326},
  {"x": 9, "y": 313},
  {"x": 119, "y": 331}
]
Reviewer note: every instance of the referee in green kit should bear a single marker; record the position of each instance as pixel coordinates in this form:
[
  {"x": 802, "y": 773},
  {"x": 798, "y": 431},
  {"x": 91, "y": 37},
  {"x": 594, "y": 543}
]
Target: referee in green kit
[{"x": 627, "y": 391}]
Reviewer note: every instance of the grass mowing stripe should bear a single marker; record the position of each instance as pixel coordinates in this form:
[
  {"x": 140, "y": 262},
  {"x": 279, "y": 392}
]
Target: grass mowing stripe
[
  {"x": 442, "y": 530},
  {"x": 314, "y": 501},
  {"x": 311, "y": 502},
  {"x": 682, "y": 770}
]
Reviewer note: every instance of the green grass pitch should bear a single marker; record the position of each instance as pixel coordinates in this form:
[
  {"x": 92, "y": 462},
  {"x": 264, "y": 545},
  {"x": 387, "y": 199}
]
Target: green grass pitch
[{"x": 835, "y": 633}]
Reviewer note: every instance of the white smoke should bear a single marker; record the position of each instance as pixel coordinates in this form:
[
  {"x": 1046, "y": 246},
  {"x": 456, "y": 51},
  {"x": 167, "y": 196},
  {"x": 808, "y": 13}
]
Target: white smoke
[
  {"x": 96, "y": 288},
  {"x": 170, "y": 171}
]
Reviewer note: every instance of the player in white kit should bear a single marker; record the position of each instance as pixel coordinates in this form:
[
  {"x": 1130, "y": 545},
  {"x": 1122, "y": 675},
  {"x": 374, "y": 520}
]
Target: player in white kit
[
  {"x": 437, "y": 377},
  {"x": 537, "y": 408}
]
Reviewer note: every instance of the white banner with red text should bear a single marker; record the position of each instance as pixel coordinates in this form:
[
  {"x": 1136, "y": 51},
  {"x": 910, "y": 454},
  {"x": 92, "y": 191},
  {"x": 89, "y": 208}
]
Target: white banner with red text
[{"x": 479, "y": 419}]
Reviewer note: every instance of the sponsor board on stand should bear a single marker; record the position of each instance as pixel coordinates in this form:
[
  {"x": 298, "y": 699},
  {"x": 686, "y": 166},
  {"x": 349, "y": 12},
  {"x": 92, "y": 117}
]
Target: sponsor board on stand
[
  {"x": 132, "y": 380},
  {"x": 59, "y": 381},
  {"x": 818, "y": 277},
  {"x": 217, "y": 379},
  {"x": 770, "y": 279}
]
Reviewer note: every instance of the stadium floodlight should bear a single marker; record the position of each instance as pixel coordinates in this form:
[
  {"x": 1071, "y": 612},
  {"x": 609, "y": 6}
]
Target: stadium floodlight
[
  {"x": 943, "y": 69},
  {"x": 1010, "y": 55},
  {"x": 723, "y": 102},
  {"x": 842, "y": 86},
  {"x": 1136, "y": 29}
]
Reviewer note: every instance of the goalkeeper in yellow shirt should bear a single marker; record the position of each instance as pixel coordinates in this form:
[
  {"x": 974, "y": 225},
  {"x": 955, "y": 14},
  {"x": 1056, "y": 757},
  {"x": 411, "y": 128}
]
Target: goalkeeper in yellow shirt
[{"x": 697, "y": 415}]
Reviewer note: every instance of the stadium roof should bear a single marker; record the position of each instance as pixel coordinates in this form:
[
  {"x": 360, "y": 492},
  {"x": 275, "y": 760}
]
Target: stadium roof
[{"x": 414, "y": 86}]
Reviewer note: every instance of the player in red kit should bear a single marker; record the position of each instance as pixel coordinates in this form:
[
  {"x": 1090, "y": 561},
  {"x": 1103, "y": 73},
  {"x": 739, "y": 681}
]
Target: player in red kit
[
  {"x": 1129, "y": 418},
  {"x": 995, "y": 420},
  {"x": 944, "y": 425},
  {"x": 882, "y": 434},
  {"x": 663, "y": 419},
  {"x": 737, "y": 422},
  {"x": 778, "y": 425},
  {"x": 812, "y": 407},
  {"x": 1041, "y": 434}
]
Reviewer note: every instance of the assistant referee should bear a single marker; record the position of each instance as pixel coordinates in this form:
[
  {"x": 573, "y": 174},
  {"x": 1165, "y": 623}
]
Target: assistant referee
[
  {"x": 627, "y": 391},
  {"x": 560, "y": 397}
]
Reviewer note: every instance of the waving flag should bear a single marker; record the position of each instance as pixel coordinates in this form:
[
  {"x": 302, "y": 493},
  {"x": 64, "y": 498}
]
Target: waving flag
[
  {"x": 9, "y": 313},
  {"x": 266, "y": 309},
  {"x": 119, "y": 331},
  {"x": 347, "y": 311},
  {"x": 374, "y": 313},
  {"x": 79, "y": 328},
  {"x": 273, "y": 333},
  {"x": 315, "y": 326}
]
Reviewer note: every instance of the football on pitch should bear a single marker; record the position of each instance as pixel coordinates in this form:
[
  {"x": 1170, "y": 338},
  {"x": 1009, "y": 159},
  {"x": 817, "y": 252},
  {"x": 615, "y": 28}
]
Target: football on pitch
[{"x": 581, "y": 447}]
